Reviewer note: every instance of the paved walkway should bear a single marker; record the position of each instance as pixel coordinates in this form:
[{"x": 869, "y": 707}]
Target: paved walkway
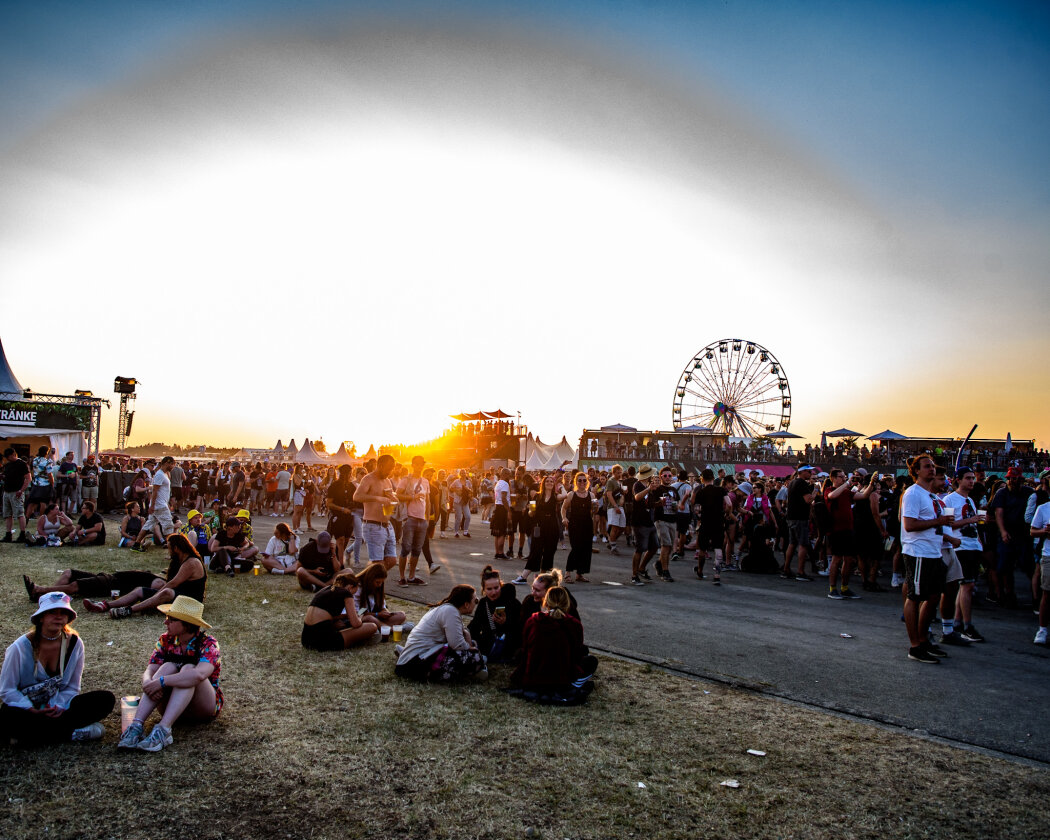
[{"x": 783, "y": 637}]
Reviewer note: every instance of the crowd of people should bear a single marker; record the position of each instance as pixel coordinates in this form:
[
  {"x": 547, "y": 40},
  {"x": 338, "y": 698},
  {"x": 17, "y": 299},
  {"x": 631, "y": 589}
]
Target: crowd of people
[{"x": 941, "y": 532}]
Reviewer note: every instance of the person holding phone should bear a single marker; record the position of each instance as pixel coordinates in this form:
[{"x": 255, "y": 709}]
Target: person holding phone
[{"x": 496, "y": 625}]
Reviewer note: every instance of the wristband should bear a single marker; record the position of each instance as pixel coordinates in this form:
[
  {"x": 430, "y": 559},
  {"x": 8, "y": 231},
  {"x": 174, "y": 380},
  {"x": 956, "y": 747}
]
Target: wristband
[{"x": 162, "y": 681}]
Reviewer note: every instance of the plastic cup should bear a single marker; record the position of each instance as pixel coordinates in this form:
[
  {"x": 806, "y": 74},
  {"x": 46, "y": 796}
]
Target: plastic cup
[
  {"x": 256, "y": 568},
  {"x": 948, "y": 511},
  {"x": 129, "y": 705},
  {"x": 114, "y": 594},
  {"x": 982, "y": 515},
  {"x": 388, "y": 510},
  {"x": 398, "y": 632},
  {"x": 385, "y": 633}
]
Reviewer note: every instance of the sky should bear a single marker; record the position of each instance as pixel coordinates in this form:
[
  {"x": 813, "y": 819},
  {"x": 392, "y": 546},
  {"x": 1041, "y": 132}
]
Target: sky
[{"x": 350, "y": 220}]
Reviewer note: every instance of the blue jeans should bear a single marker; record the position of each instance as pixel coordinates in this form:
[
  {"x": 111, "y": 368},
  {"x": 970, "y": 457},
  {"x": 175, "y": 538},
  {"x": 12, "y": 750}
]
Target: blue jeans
[
  {"x": 462, "y": 520},
  {"x": 380, "y": 541},
  {"x": 359, "y": 537}
]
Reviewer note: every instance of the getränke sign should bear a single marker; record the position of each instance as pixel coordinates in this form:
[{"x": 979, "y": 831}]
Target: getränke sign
[{"x": 18, "y": 416}]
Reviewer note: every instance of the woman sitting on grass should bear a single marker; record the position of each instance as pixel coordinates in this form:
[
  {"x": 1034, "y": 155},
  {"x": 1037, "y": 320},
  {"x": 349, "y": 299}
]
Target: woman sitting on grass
[
  {"x": 534, "y": 602},
  {"x": 186, "y": 576},
  {"x": 130, "y": 525},
  {"x": 495, "y": 626},
  {"x": 40, "y": 682},
  {"x": 370, "y": 598},
  {"x": 181, "y": 679},
  {"x": 324, "y": 628},
  {"x": 282, "y": 551},
  {"x": 555, "y": 666},
  {"x": 440, "y": 648}
]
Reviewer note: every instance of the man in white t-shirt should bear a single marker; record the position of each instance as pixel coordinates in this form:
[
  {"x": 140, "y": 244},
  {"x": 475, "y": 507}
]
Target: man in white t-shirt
[
  {"x": 922, "y": 534},
  {"x": 159, "y": 523},
  {"x": 969, "y": 550},
  {"x": 500, "y": 523},
  {"x": 284, "y": 484},
  {"x": 1041, "y": 528}
]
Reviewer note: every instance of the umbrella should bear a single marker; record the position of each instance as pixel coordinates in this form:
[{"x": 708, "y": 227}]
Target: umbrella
[
  {"x": 618, "y": 427},
  {"x": 843, "y": 433},
  {"x": 699, "y": 430},
  {"x": 782, "y": 435},
  {"x": 888, "y": 435}
]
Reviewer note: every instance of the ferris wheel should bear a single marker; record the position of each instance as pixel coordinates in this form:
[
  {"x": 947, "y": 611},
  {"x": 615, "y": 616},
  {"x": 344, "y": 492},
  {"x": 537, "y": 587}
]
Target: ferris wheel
[{"x": 735, "y": 387}]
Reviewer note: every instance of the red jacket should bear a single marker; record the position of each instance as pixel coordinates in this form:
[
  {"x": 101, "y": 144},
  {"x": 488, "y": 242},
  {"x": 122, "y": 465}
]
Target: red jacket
[{"x": 552, "y": 649}]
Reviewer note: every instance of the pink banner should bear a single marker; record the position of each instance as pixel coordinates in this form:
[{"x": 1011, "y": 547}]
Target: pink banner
[{"x": 774, "y": 470}]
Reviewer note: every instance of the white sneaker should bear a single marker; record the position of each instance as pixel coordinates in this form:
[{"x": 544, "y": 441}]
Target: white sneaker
[
  {"x": 157, "y": 740},
  {"x": 896, "y": 580},
  {"x": 131, "y": 737},
  {"x": 1040, "y": 636},
  {"x": 94, "y": 731}
]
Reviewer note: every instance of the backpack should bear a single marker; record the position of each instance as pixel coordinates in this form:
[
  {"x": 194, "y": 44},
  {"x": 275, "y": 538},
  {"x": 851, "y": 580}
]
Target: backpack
[{"x": 464, "y": 492}]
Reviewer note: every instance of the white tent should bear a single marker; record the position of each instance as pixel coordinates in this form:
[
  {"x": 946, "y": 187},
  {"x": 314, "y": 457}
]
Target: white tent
[
  {"x": 564, "y": 450},
  {"x": 536, "y": 461},
  {"x": 308, "y": 455},
  {"x": 291, "y": 449},
  {"x": 342, "y": 456},
  {"x": 278, "y": 450}
]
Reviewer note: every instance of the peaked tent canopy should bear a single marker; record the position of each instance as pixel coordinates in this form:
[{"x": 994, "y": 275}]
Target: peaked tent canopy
[
  {"x": 308, "y": 455},
  {"x": 535, "y": 461},
  {"x": 498, "y": 414},
  {"x": 843, "y": 433},
  {"x": 564, "y": 450},
  {"x": 291, "y": 449},
  {"x": 278, "y": 450},
  {"x": 342, "y": 456},
  {"x": 371, "y": 453},
  {"x": 9, "y": 383},
  {"x": 702, "y": 430},
  {"x": 888, "y": 435}
]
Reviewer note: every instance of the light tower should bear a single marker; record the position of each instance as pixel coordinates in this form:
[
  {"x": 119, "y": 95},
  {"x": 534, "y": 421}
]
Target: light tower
[{"x": 124, "y": 386}]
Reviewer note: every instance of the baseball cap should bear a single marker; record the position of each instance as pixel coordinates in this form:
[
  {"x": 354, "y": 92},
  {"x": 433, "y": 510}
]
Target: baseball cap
[{"x": 1014, "y": 472}]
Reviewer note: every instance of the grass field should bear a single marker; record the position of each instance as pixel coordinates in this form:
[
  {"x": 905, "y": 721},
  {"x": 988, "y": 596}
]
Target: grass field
[{"x": 334, "y": 745}]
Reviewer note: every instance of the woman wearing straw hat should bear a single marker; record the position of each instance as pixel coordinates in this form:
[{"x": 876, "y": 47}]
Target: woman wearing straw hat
[
  {"x": 181, "y": 679},
  {"x": 40, "y": 682}
]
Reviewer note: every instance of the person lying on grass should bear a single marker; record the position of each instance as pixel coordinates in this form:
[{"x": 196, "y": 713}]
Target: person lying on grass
[
  {"x": 281, "y": 555},
  {"x": 40, "y": 682},
  {"x": 186, "y": 576},
  {"x": 553, "y": 659},
  {"x": 181, "y": 679},
  {"x": 370, "y": 598},
  {"x": 325, "y": 627},
  {"x": 495, "y": 626},
  {"x": 318, "y": 563},
  {"x": 81, "y": 584},
  {"x": 440, "y": 648},
  {"x": 231, "y": 550}
]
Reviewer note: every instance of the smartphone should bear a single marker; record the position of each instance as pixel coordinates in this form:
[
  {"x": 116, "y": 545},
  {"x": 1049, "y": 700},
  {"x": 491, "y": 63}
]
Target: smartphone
[{"x": 500, "y": 610}]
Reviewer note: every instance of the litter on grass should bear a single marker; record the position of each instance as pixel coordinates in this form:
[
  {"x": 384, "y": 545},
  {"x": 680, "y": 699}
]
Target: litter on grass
[
  {"x": 109, "y": 644},
  {"x": 756, "y": 752},
  {"x": 265, "y": 601},
  {"x": 733, "y": 783},
  {"x": 641, "y": 785}
]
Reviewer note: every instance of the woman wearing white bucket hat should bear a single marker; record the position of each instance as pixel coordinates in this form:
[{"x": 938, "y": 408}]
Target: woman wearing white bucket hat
[
  {"x": 40, "y": 682},
  {"x": 181, "y": 679}
]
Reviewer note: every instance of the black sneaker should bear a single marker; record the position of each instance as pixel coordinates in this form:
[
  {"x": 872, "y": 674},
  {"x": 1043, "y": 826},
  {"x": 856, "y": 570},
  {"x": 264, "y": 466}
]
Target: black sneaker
[
  {"x": 676, "y": 556},
  {"x": 7, "y": 537},
  {"x": 804, "y": 579},
  {"x": 697, "y": 572},
  {"x": 936, "y": 651},
  {"x": 666, "y": 577},
  {"x": 644, "y": 575},
  {"x": 920, "y": 654},
  {"x": 971, "y": 635},
  {"x": 637, "y": 581},
  {"x": 955, "y": 639},
  {"x": 849, "y": 595}
]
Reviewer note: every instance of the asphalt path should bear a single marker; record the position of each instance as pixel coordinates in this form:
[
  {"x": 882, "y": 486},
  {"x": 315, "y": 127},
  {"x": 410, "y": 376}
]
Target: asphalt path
[{"x": 784, "y": 638}]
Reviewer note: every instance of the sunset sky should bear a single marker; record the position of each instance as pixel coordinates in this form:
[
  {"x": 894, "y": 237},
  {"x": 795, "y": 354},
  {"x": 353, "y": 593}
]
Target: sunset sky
[{"x": 351, "y": 220}]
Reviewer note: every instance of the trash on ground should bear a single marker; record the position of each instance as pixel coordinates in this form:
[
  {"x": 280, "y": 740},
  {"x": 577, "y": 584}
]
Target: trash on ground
[
  {"x": 641, "y": 785},
  {"x": 756, "y": 752},
  {"x": 733, "y": 783}
]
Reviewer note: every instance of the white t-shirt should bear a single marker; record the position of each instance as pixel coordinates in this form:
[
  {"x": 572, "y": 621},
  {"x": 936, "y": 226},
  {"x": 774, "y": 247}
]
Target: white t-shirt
[
  {"x": 501, "y": 488},
  {"x": 279, "y": 549},
  {"x": 1041, "y": 520},
  {"x": 283, "y": 477},
  {"x": 958, "y": 501},
  {"x": 163, "y": 489},
  {"x": 412, "y": 485},
  {"x": 685, "y": 491},
  {"x": 917, "y": 503}
]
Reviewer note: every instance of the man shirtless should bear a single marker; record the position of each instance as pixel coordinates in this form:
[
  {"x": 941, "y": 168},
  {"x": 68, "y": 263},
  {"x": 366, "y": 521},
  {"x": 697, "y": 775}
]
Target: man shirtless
[{"x": 379, "y": 497}]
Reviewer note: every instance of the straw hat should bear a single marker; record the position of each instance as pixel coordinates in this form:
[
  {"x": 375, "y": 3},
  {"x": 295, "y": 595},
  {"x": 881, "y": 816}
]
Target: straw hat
[{"x": 187, "y": 609}]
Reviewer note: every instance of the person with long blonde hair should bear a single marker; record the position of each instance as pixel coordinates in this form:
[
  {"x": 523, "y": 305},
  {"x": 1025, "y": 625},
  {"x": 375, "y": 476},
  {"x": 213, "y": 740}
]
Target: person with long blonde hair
[{"x": 554, "y": 660}]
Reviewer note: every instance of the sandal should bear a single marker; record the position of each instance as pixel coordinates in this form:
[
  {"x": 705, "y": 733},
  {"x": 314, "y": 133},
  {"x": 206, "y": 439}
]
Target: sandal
[
  {"x": 402, "y": 582},
  {"x": 582, "y": 579}
]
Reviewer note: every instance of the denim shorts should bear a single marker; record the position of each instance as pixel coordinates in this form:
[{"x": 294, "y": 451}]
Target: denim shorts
[
  {"x": 380, "y": 540},
  {"x": 413, "y": 533}
]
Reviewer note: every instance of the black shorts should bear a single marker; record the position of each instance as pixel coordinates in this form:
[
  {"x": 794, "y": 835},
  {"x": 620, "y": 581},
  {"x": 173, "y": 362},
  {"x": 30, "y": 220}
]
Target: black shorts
[
  {"x": 842, "y": 544},
  {"x": 341, "y": 525},
  {"x": 682, "y": 522},
  {"x": 925, "y": 577},
  {"x": 519, "y": 522},
  {"x": 710, "y": 537},
  {"x": 322, "y": 636},
  {"x": 40, "y": 493},
  {"x": 971, "y": 564},
  {"x": 499, "y": 525},
  {"x": 90, "y": 585}
]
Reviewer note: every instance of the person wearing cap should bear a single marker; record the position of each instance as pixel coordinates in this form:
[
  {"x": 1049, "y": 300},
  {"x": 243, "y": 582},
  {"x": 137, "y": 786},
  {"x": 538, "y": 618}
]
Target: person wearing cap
[
  {"x": 318, "y": 563},
  {"x": 800, "y": 496},
  {"x": 198, "y": 533},
  {"x": 231, "y": 550},
  {"x": 213, "y": 517},
  {"x": 645, "y": 541},
  {"x": 40, "y": 682},
  {"x": 181, "y": 678},
  {"x": 1015, "y": 548}
]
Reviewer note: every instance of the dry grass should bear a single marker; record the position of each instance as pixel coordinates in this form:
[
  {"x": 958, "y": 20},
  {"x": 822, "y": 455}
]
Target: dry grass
[{"x": 334, "y": 745}]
